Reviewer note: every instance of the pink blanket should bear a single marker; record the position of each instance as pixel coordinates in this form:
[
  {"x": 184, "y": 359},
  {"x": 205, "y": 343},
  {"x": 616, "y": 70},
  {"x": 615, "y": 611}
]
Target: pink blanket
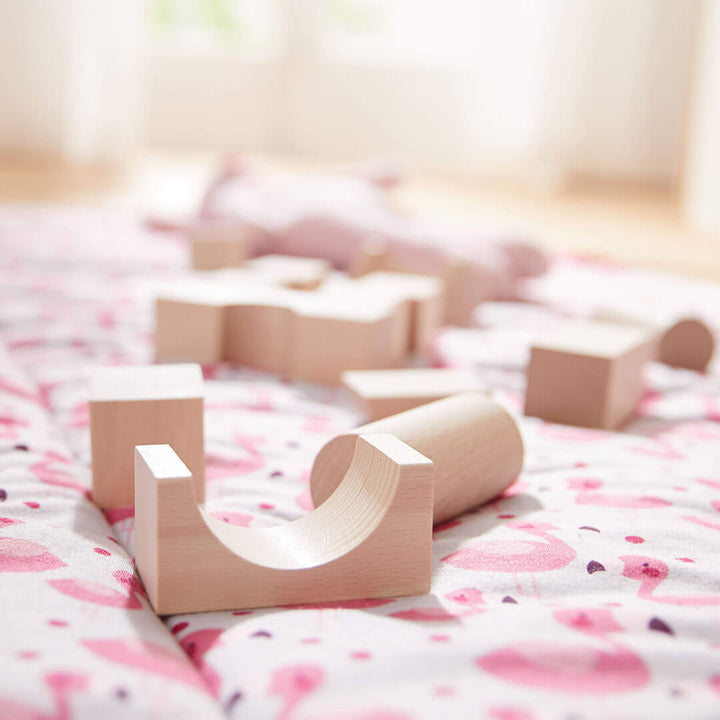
[{"x": 590, "y": 589}]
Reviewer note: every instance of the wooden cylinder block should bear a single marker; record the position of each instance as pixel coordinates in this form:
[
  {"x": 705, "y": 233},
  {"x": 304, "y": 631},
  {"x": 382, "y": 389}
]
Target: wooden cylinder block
[{"x": 474, "y": 444}]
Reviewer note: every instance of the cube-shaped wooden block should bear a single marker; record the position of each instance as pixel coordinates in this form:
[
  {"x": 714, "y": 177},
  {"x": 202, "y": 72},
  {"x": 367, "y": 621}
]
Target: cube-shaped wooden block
[
  {"x": 140, "y": 405},
  {"x": 588, "y": 374}
]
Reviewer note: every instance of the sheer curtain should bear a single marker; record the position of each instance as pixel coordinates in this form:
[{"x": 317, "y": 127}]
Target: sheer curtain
[{"x": 70, "y": 78}]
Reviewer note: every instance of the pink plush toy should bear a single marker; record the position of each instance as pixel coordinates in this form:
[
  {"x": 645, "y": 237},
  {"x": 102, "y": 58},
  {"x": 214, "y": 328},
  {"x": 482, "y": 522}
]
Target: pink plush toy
[{"x": 342, "y": 215}]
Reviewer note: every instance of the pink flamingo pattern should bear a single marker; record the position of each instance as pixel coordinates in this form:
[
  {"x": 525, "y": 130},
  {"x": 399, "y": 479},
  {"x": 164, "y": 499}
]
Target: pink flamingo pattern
[
  {"x": 516, "y": 556},
  {"x": 18, "y": 555},
  {"x": 61, "y": 685},
  {"x": 651, "y": 573},
  {"x": 293, "y": 684},
  {"x": 45, "y": 471},
  {"x": 101, "y": 594},
  {"x": 569, "y": 667},
  {"x": 148, "y": 657},
  {"x": 219, "y": 468},
  {"x": 197, "y": 644},
  {"x": 587, "y": 496}
]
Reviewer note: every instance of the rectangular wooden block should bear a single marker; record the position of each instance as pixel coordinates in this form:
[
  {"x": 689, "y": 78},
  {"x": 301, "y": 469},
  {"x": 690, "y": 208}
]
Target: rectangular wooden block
[
  {"x": 588, "y": 374},
  {"x": 189, "y": 330},
  {"x": 381, "y": 393},
  {"x": 331, "y": 335},
  {"x": 424, "y": 296},
  {"x": 217, "y": 244},
  {"x": 137, "y": 405}
]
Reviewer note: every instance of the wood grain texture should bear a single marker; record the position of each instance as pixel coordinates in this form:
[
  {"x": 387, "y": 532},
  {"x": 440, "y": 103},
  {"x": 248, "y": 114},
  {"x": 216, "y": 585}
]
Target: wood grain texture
[
  {"x": 139, "y": 405},
  {"x": 474, "y": 444},
  {"x": 371, "y": 539},
  {"x": 381, "y": 393},
  {"x": 589, "y": 373}
]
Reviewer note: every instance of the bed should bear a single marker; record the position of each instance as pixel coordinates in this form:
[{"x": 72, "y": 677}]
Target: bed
[{"x": 602, "y": 600}]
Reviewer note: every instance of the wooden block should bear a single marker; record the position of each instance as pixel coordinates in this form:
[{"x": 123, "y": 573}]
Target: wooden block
[
  {"x": 424, "y": 296},
  {"x": 218, "y": 244},
  {"x": 588, "y": 373},
  {"x": 474, "y": 444},
  {"x": 331, "y": 334},
  {"x": 381, "y": 393},
  {"x": 294, "y": 273},
  {"x": 373, "y": 257},
  {"x": 190, "y": 328},
  {"x": 141, "y": 404},
  {"x": 259, "y": 335},
  {"x": 373, "y": 538},
  {"x": 465, "y": 288},
  {"x": 683, "y": 341}
]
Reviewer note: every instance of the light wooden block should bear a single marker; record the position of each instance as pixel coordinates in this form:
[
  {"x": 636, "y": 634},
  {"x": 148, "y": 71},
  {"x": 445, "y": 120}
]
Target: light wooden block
[
  {"x": 682, "y": 341},
  {"x": 380, "y": 393},
  {"x": 424, "y": 296},
  {"x": 474, "y": 444},
  {"x": 190, "y": 329},
  {"x": 588, "y": 373},
  {"x": 294, "y": 273},
  {"x": 218, "y": 244},
  {"x": 136, "y": 405},
  {"x": 332, "y": 334},
  {"x": 373, "y": 538},
  {"x": 373, "y": 257},
  {"x": 259, "y": 334}
]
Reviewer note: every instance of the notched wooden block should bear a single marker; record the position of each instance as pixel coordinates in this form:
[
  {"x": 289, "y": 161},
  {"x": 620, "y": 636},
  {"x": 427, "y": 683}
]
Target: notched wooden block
[
  {"x": 134, "y": 405},
  {"x": 372, "y": 538},
  {"x": 588, "y": 373},
  {"x": 386, "y": 392}
]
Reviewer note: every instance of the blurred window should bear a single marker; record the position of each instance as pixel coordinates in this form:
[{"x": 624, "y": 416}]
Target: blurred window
[{"x": 253, "y": 26}]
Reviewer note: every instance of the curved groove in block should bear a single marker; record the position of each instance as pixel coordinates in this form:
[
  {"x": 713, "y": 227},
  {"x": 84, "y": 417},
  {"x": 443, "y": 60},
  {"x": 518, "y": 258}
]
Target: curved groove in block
[
  {"x": 350, "y": 516},
  {"x": 373, "y": 538}
]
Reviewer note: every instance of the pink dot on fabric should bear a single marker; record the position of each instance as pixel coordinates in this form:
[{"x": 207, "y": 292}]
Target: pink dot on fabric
[
  {"x": 635, "y": 539},
  {"x": 506, "y": 516},
  {"x": 178, "y": 627},
  {"x": 440, "y": 638},
  {"x": 101, "y": 551},
  {"x": 680, "y": 488},
  {"x": 444, "y": 690},
  {"x": 685, "y": 560},
  {"x": 311, "y": 641},
  {"x": 267, "y": 506},
  {"x": 58, "y": 623},
  {"x": 242, "y": 612},
  {"x": 32, "y": 504},
  {"x": 360, "y": 655},
  {"x": 28, "y": 654},
  {"x": 112, "y": 539}
]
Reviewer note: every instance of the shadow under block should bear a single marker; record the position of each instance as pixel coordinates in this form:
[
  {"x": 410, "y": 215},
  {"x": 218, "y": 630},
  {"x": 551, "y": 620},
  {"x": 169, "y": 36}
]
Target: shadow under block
[
  {"x": 373, "y": 538},
  {"x": 380, "y": 393},
  {"x": 588, "y": 374},
  {"x": 474, "y": 444},
  {"x": 136, "y": 405}
]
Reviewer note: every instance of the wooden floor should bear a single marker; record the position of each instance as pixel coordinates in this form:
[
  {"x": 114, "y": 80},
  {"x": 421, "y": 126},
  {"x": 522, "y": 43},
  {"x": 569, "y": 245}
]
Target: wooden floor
[{"x": 629, "y": 223}]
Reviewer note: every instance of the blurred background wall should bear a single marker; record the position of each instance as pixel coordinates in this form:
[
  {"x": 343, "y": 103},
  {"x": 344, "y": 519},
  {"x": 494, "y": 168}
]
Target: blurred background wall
[{"x": 534, "y": 90}]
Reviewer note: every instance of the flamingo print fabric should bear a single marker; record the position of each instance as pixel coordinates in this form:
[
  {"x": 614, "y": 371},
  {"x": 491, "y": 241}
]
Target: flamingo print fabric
[{"x": 590, "y": 589}]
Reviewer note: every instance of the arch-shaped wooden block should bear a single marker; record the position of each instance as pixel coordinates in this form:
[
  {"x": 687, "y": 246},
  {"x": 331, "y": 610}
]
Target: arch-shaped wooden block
[
  {"x": 474, "y": 444},
  {"x": 372, "y": 538}
]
